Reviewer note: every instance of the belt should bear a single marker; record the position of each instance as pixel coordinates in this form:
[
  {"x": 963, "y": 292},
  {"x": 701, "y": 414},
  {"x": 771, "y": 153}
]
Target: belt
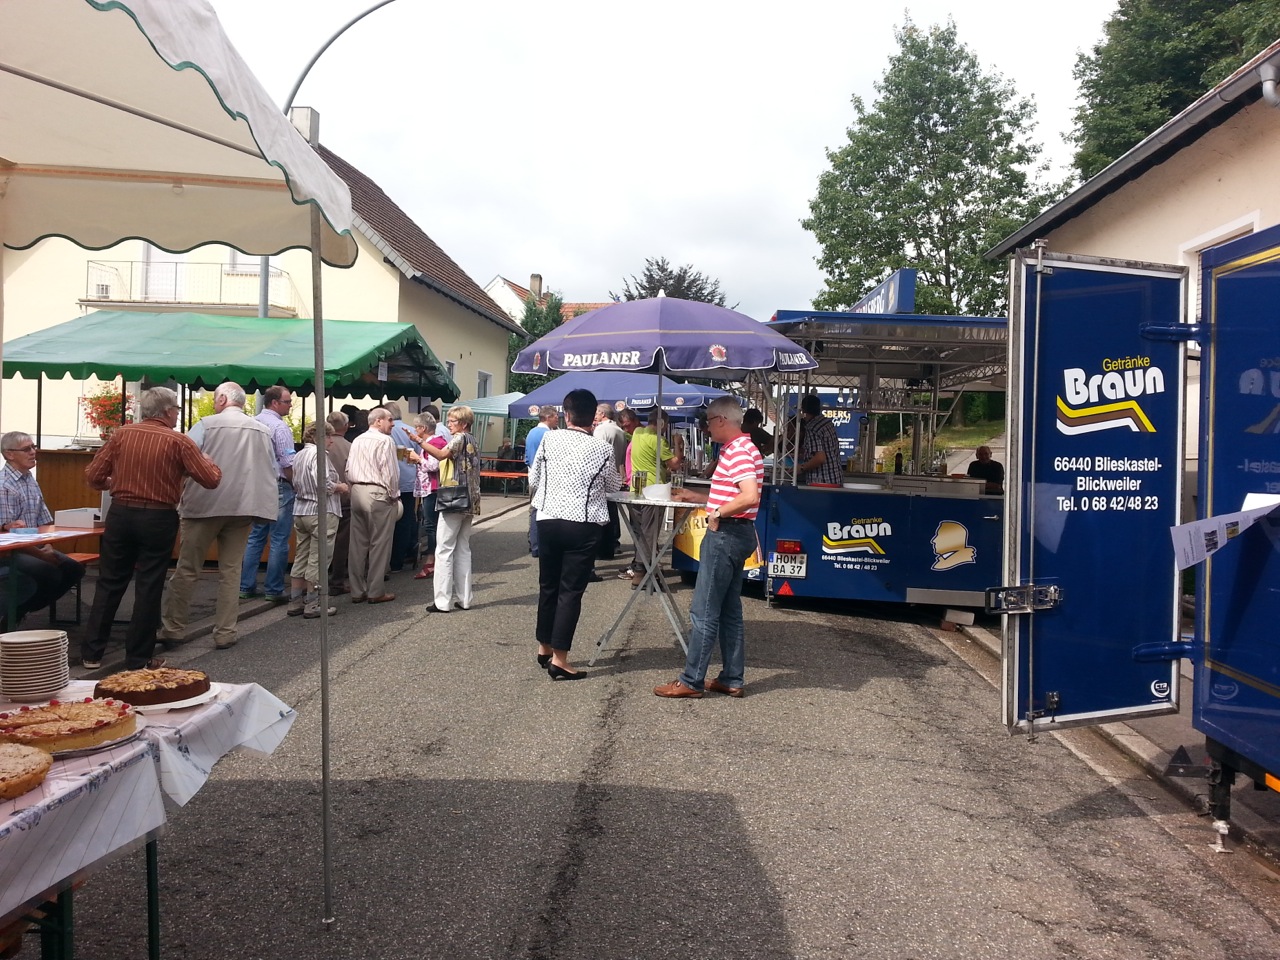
[
  {"x": 143, "y": 504},
  {"x": 364, "y": 483},
  {"x": 736, "y": 520}
]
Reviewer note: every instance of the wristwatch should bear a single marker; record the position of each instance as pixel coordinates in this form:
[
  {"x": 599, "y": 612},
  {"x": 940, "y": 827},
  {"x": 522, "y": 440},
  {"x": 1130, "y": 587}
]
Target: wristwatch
[{"x": 714, "y": 514}]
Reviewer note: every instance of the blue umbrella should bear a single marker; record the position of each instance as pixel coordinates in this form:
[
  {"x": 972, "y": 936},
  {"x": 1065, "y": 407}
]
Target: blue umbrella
[
  {"x": 664, "y": 335},
  {"x": 638, "y": 390}
]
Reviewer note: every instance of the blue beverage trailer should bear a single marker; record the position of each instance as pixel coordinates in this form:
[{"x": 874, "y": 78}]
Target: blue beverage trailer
[
  {"x": 912, "y": 538},
  {"x": 1097, "y": 413}
]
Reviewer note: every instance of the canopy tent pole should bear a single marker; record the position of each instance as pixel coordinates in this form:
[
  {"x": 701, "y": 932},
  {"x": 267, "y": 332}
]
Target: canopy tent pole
[
  {"x": 322, "y": 555},
  {"x": 39, "y": 408}
]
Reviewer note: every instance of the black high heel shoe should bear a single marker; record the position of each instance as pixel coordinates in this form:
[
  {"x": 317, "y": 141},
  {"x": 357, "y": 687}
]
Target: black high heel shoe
[
  {"x": 543, "y": 660},
  {"x": 559, "y": 673}
]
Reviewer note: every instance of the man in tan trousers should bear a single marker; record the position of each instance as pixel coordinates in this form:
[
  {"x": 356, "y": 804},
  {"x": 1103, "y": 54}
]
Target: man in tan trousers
[
  {"x": 242, "y": 449},
  {"x": 372, "y": 471}
]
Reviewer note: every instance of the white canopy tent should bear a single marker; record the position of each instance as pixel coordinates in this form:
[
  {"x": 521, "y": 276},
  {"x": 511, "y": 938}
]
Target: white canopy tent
[{"x": 137, "y": 119}]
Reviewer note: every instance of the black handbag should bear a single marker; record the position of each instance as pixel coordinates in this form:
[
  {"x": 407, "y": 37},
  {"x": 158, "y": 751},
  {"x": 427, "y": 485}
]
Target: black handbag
[
  {"x": 455, "y": 499},
  {"x": 456, "y": 496}
]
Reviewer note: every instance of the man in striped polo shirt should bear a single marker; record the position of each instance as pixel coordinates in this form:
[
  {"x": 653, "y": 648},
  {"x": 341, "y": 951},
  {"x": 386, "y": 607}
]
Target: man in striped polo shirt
[{"x": 731, "y": 505}]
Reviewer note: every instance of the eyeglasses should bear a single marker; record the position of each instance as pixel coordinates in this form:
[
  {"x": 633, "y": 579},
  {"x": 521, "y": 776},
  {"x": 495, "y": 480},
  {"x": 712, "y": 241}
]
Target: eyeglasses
[
  {"x": 29, "y": 448},
  {"x": 716, "y": 417},
  {"x": 452, "y": 420}
]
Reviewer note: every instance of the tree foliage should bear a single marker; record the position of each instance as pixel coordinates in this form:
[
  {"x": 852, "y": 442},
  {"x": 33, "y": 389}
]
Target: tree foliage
[
  {"x": 660, "y": 277},
  {"x": 935, "y": 173},
  {"x": 538, "y": 321},
  {"x": 1156, "y": 58}
]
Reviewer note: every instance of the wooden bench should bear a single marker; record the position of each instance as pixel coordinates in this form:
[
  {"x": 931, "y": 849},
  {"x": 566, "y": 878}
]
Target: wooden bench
[
  {"x": 88, "y": 559},
  {"x": 504, "y": 472}
]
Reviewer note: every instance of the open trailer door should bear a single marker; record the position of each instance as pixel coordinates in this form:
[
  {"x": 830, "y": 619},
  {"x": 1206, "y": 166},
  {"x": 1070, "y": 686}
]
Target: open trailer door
[
  {"x": 1094, "y": 479},
  {"x": 1237, "y": 703}
]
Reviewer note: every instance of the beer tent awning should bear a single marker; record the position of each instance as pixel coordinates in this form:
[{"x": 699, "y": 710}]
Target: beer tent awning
[{"x": 202, "y": 350}]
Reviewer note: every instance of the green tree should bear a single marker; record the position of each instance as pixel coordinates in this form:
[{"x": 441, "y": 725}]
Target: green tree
[
  {"x": 1155, "y": 59},
  {"x": 660, "y": 277},
  {"x": 539, "y": 320},
  {"x": 935, "y": 173}
]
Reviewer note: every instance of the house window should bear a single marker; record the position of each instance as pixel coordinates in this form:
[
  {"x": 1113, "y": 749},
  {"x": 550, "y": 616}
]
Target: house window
[
  {"x": 451, "y": 368},
  {"x": 484, "y": 384}
]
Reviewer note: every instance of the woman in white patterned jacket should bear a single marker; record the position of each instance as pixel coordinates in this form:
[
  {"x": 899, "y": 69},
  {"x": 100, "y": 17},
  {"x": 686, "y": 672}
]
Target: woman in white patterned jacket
[{"x": 571, "y": 473}]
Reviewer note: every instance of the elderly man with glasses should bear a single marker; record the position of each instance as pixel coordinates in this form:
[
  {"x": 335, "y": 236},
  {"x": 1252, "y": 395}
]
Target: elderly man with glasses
[
  {"x": 22, "y": 505},
  {"x": 143, "y": 465}
]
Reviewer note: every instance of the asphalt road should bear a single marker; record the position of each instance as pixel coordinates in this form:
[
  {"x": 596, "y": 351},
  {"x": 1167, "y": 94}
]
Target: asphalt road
[{"x": 862, "y": 801}]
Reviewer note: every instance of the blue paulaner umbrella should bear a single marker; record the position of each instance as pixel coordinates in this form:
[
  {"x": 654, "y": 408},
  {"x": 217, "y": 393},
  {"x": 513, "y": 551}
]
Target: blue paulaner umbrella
[{"x": 664, "y": 335}]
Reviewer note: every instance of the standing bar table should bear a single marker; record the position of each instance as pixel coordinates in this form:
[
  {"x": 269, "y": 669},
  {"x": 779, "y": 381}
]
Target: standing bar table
[{"x": 654, "y": 581}]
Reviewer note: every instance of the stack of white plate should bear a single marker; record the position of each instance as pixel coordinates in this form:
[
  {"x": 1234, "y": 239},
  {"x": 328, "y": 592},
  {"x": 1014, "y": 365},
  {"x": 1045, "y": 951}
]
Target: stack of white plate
[{"x": 33, "y": 664}]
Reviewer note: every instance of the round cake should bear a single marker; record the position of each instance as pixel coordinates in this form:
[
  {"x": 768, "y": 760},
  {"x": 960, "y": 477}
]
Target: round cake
[
  {"x": 144, "y": 688},
  {"x": 68, "y": 725},
  {"x": 22, "y": 768}
]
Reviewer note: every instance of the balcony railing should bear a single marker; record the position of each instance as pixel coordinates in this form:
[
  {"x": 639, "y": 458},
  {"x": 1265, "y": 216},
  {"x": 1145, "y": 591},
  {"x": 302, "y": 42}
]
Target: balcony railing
[{"x": 229, "y": 284}]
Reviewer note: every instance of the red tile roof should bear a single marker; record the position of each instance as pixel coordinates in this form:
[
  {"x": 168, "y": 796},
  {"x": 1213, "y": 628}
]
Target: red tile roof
[
  {"x": 571, "y": 310},
  {"x": 567, "y": 310},
  {"x": 435, "y": 268}
]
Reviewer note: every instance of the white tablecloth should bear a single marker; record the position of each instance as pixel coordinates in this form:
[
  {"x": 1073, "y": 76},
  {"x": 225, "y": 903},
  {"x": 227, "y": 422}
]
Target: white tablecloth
[{"x": 93, "y": 806}]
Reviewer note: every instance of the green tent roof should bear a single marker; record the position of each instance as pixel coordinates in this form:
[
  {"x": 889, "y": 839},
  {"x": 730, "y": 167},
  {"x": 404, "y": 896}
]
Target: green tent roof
[{"x": 203, "y": 350}]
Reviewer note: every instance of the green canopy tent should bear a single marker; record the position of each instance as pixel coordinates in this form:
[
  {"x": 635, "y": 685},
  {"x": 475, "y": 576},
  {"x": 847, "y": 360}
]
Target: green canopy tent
[{"x": 203, "y": 350}]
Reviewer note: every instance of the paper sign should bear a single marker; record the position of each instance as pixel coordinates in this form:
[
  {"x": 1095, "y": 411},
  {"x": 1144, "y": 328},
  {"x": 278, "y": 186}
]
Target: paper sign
[
  {"x": 382, "y": 371},
  {"x": 1194, "y": 541}
]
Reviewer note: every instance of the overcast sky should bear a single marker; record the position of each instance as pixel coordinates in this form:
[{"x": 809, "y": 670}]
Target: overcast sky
[{"x": 576, "y": 139}]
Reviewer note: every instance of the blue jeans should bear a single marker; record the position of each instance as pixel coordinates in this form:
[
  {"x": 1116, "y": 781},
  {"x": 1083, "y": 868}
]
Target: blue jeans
[
  {"x": 716, "y": 612},
  {"x": 427, "y": 528},
  {"x": 278, "y": 558}
]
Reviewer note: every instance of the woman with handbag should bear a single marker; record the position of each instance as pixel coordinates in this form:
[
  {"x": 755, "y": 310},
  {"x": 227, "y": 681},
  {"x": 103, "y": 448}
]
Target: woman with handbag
[
  {"x": 571, "y": 475},
  {"x": 457, "y": 504}
]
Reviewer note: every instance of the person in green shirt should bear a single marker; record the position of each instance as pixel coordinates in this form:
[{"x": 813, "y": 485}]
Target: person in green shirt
[{"x": 645, "y": 443}]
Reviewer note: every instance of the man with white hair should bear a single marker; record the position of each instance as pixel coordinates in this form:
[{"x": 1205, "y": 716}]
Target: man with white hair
[
  {"x": 143, "y": 465},
  {"x": 404, "y": 538},
  {"x": 715, "y": 613},
  {"x": 242, "y": 449},
  {"x": 375, "y": 492}
]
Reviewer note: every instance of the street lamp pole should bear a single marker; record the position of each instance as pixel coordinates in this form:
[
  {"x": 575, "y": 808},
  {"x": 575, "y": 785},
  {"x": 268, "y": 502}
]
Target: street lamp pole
[{"x": 264, "y": 271}]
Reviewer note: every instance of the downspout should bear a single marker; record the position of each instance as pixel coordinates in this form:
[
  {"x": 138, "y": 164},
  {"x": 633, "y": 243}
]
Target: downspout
[{"x": 1270, "y": 74}]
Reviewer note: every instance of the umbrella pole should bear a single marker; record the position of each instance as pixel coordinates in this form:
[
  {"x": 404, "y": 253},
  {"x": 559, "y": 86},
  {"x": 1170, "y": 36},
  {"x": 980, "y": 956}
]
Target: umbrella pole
[{"x": 322, "y": 555}]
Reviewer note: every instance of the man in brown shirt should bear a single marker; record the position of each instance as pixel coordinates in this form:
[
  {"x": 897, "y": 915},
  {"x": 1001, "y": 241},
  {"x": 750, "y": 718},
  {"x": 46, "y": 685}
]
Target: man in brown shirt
[{"x": 143, "y": 465}]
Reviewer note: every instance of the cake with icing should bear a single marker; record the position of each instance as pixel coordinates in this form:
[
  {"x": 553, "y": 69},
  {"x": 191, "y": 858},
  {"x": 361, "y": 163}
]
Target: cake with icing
[
  {"x": 22, "y": 769},
  {"x": 68, "y": 725},
  {"x": 147, "y": 687}
]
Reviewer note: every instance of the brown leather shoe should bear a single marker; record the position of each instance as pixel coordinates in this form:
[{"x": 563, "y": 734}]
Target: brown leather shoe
[
  {"x": 677, "y": 689},
  {"x": 385, "y": 598},
  {"x": 724, "y": 688}
]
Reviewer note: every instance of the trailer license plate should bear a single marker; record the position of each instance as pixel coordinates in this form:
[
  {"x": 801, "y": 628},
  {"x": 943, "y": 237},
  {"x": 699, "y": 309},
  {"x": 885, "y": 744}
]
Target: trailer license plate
[{"x": 791, "y": 565}]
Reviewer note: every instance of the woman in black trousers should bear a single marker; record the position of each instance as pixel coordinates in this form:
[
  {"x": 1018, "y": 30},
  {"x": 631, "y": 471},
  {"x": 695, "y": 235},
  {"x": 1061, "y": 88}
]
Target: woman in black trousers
[{"x": 571, "y": 473}]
